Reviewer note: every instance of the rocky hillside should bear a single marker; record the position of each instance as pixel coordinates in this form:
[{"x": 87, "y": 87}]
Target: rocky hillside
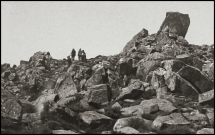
[{"x": 158, "y": 84}]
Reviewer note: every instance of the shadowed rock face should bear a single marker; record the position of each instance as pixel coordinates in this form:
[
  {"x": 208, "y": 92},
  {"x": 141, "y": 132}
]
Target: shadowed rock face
[
  {"x": 142, "y": 34},
  {"x": 175, "y": 23}
]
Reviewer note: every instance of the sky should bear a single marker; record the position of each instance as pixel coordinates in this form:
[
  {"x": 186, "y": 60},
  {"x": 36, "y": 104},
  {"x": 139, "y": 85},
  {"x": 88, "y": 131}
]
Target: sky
[{"x": 99, "y": 28}]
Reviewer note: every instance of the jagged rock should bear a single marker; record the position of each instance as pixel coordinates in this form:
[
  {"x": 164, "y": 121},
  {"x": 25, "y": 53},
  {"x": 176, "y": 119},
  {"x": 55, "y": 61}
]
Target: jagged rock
[
  {"x": 99, "y": 94},
  {"x": 206, "y": 131},
  {"x": 196, "y": 78},
  {"x": 23, "y": 62},
  {"x": 158, "y": 82},
  {"x": 144, "y": 69},
  {"x": 143, "y": 49},
  {"x": 102, "y": 111},
  {"x": 173, "y": 119},
  {"x": 4, "y": 67},
  {"x": 178, "y": 84},
  {"x": 172, "y": 65},
  {"x": 116, "y": 106},
  {"x": 149, "y": 93},
  {"x": 12, "y": 76},
  {"x": 127, "y": 130},
  {"x": 5, "y": 74},
  {"x": 155, "y": 56},
  {"x": 207, "y": 97},
  {"x": 63, "y": 132},
  {"x": 36, "y": 58},
  {"x": 210, "y": 116},
  {"x": 93, "y": 118},
  {"x": 11, "y": 107},
  {"x": 164, "y": 105},
  {"x": 196, "y": 117},
  {"x": 145, "y": 107},
  {"x": 209, "y": 69},
  {"x": 134, "y": 89},
  {"x": 175, "y": 23},
  {"x": 67, "y": 88},
  {"x": 142, "y": 34},
  {"x": 95, "y": 79},
  {"x": 135, "y": 122}
]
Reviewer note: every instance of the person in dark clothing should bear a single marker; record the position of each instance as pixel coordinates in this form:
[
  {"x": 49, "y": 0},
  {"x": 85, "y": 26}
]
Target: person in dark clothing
[
  {"x": 69, "y": 61},
  {"x": 73, "y": 53},
  {"x": 43, "y": 61},
  {"x": 79, "y": 54},
  {"x": 83, "y": 56}
]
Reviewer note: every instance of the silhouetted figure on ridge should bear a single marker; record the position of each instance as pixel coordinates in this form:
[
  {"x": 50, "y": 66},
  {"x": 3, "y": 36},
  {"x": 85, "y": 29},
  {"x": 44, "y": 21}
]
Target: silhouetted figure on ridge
[
  {"x": 69, "y": 61},
  {"x": 79, "y": 54},
  {"x": 73, "y": 53},
  {"x": 83, "y": 56}
]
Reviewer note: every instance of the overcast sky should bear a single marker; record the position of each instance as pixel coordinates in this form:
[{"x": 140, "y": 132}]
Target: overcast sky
[{"x": 100, "y": 28}]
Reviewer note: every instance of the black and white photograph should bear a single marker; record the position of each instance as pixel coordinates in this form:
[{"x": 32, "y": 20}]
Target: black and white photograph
[{"x": 107, "y": 67}]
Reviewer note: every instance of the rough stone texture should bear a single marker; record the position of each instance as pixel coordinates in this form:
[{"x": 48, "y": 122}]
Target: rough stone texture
[
  {"x": 145, "y": 107},
  {"x": 144, "y": 68},
  {"x": 178, "y": 84},
  {"x": 149, "y": 93},
  {"x": 95, "y": 79},
  {"x": 195, "y": 117},
  {"x": 116, "y": 106},
  {"x": 67, "y": 88},
  {"x": 173, "y": 65},
  {"x": 29, "y": 117},
  {"x": 207, "y": 97},
  {"x": 12, "y": 76},
  {"x": 164, "y": 105},
  {"x": 173, "y": 119},
  {"x": 206, "y": 131},
  {"x": 99, "y": 94},
  {"x": 11, "y": 107},
  {"x": 98, "y": 97},
  {"x": 129, "y": 93},
  {"x": 196, "y": 78},
  {"x": 127, "y": 130},
  {"x": 24, "y": 62},
  {"x": 92, "y": 118},
  {"x": 176, "y": 23},
  {"x": 142, "y": 34},
  {"x": 135, "y": 122},
  {"x": 210, "y": 116},
  {"x": 4, "y": 67}
]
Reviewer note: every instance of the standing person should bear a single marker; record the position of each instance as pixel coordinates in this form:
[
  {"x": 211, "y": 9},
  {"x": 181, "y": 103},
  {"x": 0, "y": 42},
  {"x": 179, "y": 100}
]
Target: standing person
[
  {"x": 79, "y": 54},
  {"x": 48, "y": 60},
  {"x": 73, "y": 53},
  {"x": 83, "y": 56},
  {"x": 69, "y": 61},
  {"x": 43, "y": 61}
]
